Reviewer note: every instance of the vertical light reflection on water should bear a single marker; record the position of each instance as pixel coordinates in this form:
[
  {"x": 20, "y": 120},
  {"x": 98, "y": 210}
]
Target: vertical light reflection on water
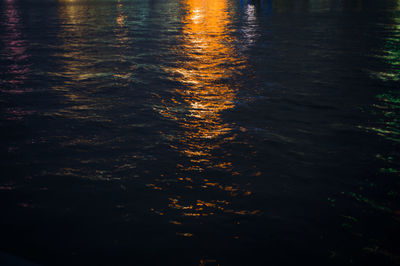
[
  {"x": 75, "y": 73},
  {"x": 121, "y": 34},
  {"x": 90, "y": 68},
  {"x": 388, "y": 104},
  {"x": 15, "y": 56},
  {"x": 250, "y": 27},
  {"x": 209, "y": 62},
  {"x": 86, "y": 30},
  {"x": 121, "y": 17},
  {"x": 72, "y": 58},
  {"x": 389, "y": 101},
  {"x": 378, "y": 193},
  {"x": 85, "y": 72},
  {"x": 15, "y": 50},
  {"x": 76, "y": 64}
]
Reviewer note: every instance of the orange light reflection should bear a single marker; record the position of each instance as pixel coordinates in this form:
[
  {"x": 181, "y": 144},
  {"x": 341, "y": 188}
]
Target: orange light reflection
[{"x": 209, "y": 61}]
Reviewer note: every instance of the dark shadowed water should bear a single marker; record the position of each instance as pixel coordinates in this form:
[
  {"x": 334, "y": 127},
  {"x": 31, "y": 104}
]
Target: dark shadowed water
[{"x": 200, "y": 132}]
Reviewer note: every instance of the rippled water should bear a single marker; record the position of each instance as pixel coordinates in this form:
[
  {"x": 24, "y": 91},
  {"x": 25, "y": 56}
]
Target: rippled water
[{"x": 200, "y": 132}]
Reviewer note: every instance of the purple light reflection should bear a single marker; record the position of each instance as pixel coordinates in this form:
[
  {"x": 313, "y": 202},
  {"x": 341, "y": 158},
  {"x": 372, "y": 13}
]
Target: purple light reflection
[{"x": 15, "y": 51}]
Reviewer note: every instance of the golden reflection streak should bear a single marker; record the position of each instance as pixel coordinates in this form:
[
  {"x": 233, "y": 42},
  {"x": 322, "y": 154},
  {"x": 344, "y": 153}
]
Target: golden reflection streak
[
  {"x": 210, "y": 61},
  {"x": 81, "y": 75},
  {"x": 120, "y": 17},
  {"x": 121, "y": 34},
  {"x": 79, "y": 24},
  {"x": 74, "y": 60}
]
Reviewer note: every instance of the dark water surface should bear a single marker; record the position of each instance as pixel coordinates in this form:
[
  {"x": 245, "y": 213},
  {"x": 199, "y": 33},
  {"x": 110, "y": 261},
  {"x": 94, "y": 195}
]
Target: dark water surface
[{"x": 200, "y": 132}]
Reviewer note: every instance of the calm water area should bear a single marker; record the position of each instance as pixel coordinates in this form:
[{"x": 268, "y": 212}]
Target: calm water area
[{"x": 200, "y": 132}]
